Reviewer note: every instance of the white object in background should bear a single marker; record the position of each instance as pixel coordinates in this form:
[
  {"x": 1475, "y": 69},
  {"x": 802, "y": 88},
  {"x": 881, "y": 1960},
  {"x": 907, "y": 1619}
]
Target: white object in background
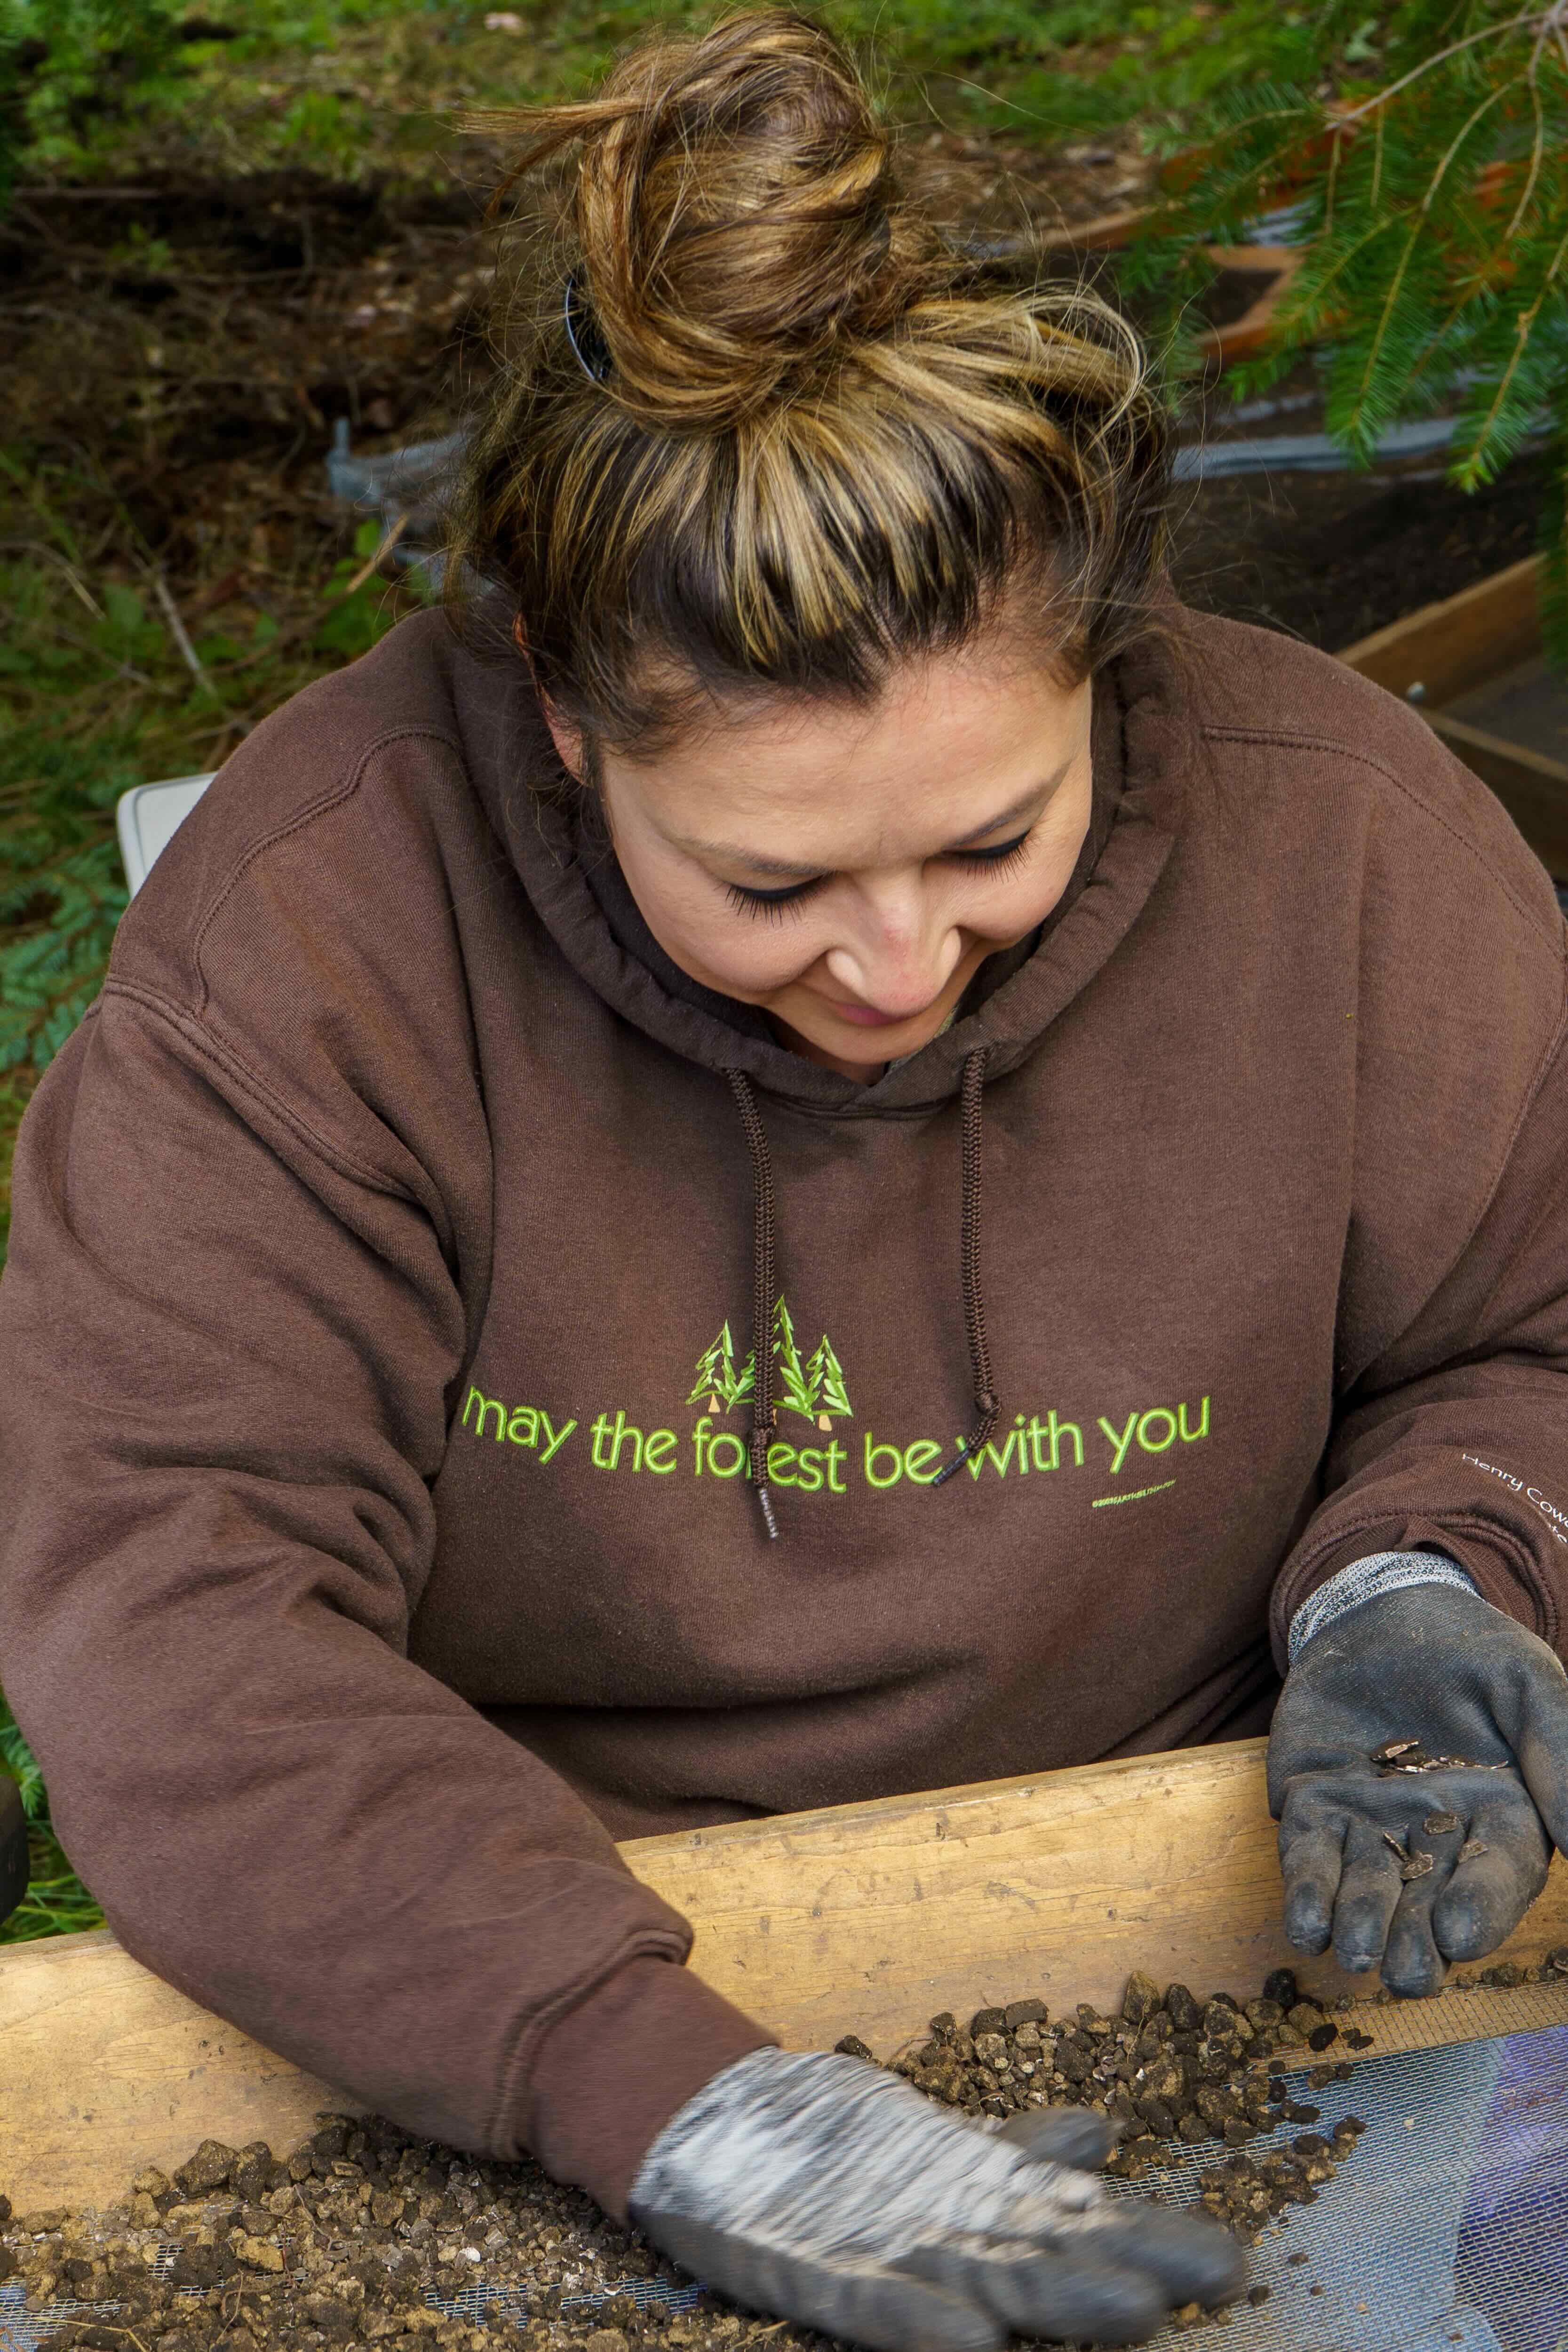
[{"x": 147, "y": 818}]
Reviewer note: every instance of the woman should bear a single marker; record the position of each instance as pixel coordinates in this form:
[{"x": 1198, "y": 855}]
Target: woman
[{"x": 833, "y": 1150}]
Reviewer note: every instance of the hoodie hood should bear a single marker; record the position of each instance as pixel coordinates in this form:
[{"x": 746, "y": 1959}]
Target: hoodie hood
[{"x": 580, "y": 893}]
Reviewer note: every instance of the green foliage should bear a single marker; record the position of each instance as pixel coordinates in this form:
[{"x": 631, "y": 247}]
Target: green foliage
[
  {"x": 62, "y": 887},
  {"x": 55, "y": 1903},
  {"x": 65, "y": 61},
  {"x": 362, "y": 614},
  {"x": 18, "y": 1759},
  {"x": 358, "y": 87},
  {"x": 1432, "y": 211}
]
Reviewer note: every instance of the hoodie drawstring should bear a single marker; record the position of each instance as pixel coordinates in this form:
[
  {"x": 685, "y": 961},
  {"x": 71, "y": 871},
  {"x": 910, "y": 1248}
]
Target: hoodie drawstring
[
  {"x": 764, "y": 1413},
  {"x": 987, "y": 1404}
]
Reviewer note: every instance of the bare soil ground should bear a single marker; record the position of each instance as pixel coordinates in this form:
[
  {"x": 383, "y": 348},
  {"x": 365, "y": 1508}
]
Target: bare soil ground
[{"x": 183, "y": 347}]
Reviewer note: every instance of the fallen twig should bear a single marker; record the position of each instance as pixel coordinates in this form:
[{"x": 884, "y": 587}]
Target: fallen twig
[
  {"x": 370, "y": 562},
  {"x": 187, "y": 651},
  {"x": 78, "y": 587}
]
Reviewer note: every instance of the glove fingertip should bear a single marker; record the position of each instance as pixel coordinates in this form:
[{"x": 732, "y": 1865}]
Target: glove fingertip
[
  {"x": 928, "y": 2318},
  {"x": 1308, "y": 1921}
]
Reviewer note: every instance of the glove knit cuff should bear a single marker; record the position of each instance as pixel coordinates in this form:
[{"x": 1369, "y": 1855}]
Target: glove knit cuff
[{"x": 1380, "y": 1571}]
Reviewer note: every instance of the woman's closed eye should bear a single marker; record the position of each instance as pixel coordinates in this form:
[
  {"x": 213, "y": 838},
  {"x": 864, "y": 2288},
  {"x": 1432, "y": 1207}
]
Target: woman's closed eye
[{"x": 774, "y": 904}]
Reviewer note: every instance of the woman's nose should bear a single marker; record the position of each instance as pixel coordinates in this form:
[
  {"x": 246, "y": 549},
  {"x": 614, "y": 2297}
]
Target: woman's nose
[{"x": 894, "y": 958}]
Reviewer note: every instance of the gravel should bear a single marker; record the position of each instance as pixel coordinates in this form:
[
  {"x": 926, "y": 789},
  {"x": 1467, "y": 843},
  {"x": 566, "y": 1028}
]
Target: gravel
[
  {"x": 1174, "y": 2072},
  {"x": 345, "y": 2240}
]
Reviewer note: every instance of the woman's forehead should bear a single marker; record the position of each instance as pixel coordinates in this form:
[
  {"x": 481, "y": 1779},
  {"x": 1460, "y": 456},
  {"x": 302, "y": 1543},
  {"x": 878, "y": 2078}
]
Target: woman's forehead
[{"x": 951, "y": 750}]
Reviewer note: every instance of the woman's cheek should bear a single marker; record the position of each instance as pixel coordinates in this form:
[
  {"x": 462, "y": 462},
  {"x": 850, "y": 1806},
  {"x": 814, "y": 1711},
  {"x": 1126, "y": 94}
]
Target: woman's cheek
[{"x": 759, "y": 967}]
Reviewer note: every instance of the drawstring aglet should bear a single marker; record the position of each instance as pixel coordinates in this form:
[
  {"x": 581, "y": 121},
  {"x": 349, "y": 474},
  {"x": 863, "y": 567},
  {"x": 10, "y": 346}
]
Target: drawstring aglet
[
  {"x": 962, "y": 1455},
  {"x": 762, "y": 1429}
]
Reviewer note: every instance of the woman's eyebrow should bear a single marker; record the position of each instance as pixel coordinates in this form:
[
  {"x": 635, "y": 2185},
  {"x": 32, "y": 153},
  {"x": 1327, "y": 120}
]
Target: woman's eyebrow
[
  {"x": 727, "y": 852},
  {"x": 1016, "y": 809}
]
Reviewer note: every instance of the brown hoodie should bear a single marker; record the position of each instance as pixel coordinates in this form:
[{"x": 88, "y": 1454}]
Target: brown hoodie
[{"x": 377, "y": 1353}]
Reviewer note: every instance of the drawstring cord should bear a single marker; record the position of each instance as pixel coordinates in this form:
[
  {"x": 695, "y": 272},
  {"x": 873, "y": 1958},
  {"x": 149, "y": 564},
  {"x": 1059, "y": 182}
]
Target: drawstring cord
[
  {"x": 763, "y": 1414},
  {"x": 987, "y": 1404}
]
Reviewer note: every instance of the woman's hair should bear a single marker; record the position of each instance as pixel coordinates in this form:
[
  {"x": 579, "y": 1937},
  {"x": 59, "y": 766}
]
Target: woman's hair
[{"x": 813, "y": 444}]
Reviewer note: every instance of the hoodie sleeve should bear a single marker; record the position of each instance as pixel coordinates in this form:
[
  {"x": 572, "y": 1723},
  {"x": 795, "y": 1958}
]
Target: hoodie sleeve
[
  {"x": 226, "y": 1343},
  {"x": 1450, "y": 1424}
]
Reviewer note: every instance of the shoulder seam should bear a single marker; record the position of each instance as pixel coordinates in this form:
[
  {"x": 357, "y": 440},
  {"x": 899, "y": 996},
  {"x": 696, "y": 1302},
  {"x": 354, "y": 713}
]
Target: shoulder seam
[
  {"x": 1289, "y": 739},
  {"x": 197, "y": 1035},
  {"x": 301, "y": 817}
]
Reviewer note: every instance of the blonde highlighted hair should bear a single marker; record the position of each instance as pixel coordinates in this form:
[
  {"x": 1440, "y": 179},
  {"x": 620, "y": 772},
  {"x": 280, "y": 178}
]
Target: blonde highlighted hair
[{"x": 815, "y": 447}]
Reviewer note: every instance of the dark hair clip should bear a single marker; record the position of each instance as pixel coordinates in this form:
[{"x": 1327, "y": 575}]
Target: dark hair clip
[{"x": 589, "y": 347}]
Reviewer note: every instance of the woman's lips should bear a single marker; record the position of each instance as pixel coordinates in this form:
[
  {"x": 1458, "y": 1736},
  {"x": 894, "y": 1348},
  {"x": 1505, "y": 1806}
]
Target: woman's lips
[{"x": 864, "y": 1016}]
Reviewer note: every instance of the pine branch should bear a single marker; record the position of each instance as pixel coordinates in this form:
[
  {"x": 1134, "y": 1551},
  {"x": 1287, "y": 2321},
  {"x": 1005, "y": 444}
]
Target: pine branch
[
  {"x": 1487, "y": 33},
  {"x": 1432, "y": 216},
  {"x": 1474, "y": 468},
  {"x": 1537, "y": 150},
  {"x": 1417, "y": 228},
  {"x": 1554, "y": 546}
]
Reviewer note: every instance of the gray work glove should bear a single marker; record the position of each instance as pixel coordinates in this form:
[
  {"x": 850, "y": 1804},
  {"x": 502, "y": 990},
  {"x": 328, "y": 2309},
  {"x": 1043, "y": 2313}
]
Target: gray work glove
[
  {"x": 1440, "y": 1666},
  {"x": 822, "y": 2191}
]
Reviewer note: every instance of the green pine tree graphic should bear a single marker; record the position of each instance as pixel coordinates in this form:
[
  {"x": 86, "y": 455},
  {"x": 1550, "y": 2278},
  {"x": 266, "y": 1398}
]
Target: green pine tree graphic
[
  {"x": 712, "y": 1369},
  {"x": 816, "y": 1391},
  {"x": 829, "y": 1393},
  {"x": 795, "y": 1391},
  {"x": 717, "y": 1383},
  {"x": 715, "y": 1374}
]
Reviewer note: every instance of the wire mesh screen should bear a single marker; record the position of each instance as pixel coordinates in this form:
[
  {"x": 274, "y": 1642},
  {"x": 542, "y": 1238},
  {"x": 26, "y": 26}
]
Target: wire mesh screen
[{"x": 1449, "y": 2228}]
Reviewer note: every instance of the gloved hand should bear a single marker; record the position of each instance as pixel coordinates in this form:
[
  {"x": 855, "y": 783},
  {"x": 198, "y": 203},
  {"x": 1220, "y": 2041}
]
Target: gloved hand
[
  {"x": 823, "y": 2190},
  {"x": 1441, "y": 1667}
]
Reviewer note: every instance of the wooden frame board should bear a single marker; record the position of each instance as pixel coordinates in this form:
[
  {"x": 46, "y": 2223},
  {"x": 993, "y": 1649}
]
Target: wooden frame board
[
  {"x": 864, "y": 1917},
  {"x": 1449, "y": 647},
  {"x": 1446, "y": 650}
]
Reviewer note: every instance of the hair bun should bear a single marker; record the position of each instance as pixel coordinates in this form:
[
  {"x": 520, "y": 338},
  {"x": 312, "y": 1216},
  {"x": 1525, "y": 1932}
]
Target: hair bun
[{"x": 740, "y": 216}]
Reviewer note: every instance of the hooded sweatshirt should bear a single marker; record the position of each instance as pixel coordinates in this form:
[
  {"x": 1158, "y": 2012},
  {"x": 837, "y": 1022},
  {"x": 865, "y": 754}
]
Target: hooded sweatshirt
[{"x": 401, "y": 1246}]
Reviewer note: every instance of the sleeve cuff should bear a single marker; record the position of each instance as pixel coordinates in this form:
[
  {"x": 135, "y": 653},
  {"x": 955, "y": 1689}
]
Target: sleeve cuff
[{"x": 615, "y": 2069}]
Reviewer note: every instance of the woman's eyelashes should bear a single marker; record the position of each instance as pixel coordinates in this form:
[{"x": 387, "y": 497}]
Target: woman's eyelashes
[{"x": 773, "y": 905}]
